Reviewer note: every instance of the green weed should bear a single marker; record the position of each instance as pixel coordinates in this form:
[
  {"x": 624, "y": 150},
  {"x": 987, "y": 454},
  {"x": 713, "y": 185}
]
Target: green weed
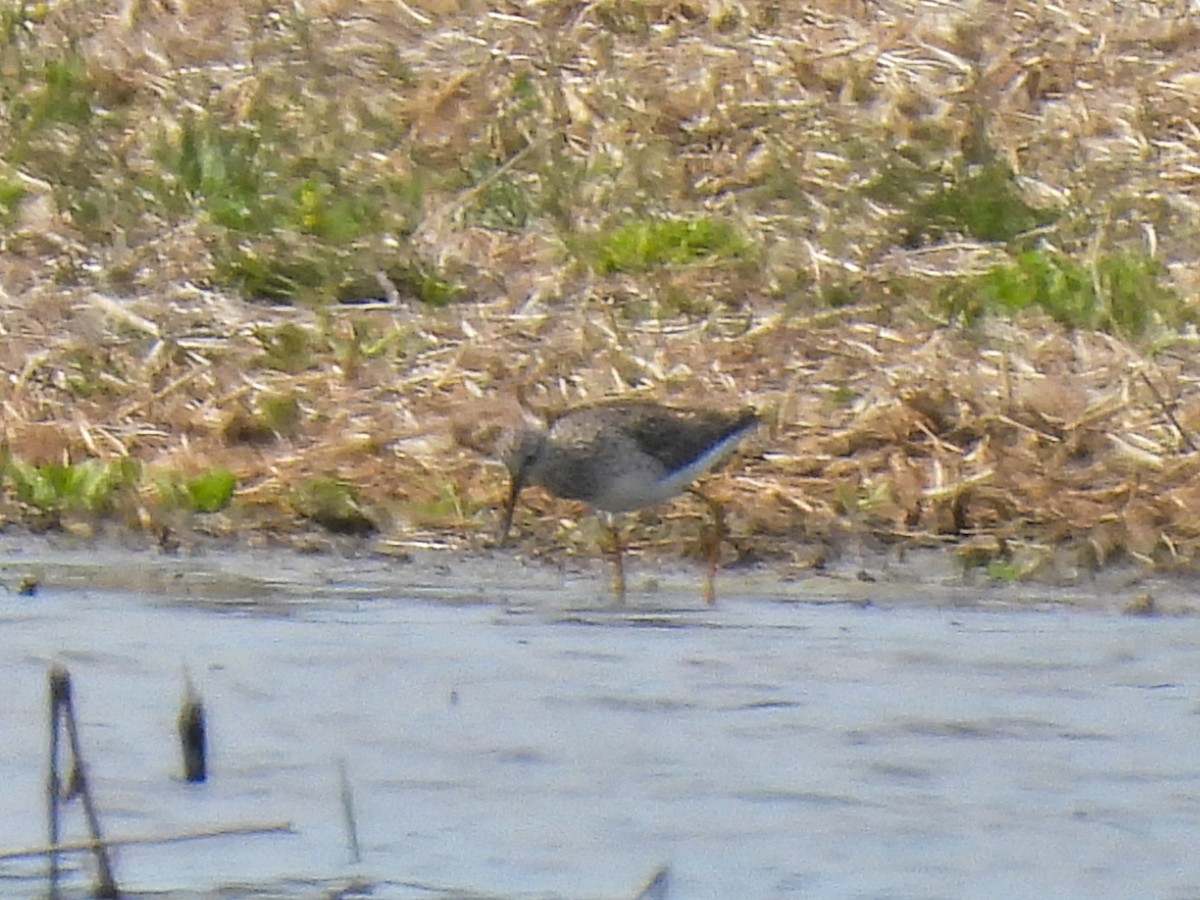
[
  {"x": 502, "y": 203},
  {"x": 449, "y": 508},
  {"x": 1118, "y": 293},
  {"x": 210, "y": 491},
  {"x": 854, "y": 500},
  {"x": 222, "y": 169},
  {"x": 906, "y": 174},
  {"x": 272, "y": 416},
  {"x": 19, "y": 19},
  {"x": 842, "y": 395},
  {"x": 65, "y": 96},
  {"x": 249, "y": 178},
  {"x": 285, "y": 224},
  {"x": 91, "y": 486},
  {"x": 61, "y": 126},
  {"x": 357, "y": 340},
  {"x": 326, "y": 209},
  {"x": 1003, "y": 570},
  {"x": 288, "y": 348},
  {"x": 639, "y": 245},
  {"x": 12, "y": 192},
  {"x": 838, "y": 295},
  {"x": 91, "y": 372},
  {"x": 52, "y": 91},
  {"x": 273, "y": 270},
  {"x": 982, "y": 201},
  {"x": 281, "y": 413},
  {"x": 333, "y": 504},
  {"x": 623, "y": 17},
  {"x": 508, "y": 196},
  {"x": 426, "y": 284}
]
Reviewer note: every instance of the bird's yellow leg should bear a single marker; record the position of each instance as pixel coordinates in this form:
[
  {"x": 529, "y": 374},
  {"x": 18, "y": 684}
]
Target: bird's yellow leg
[
  {"x": 616, "y": 550},
  {"x": 711, "y": 535}
]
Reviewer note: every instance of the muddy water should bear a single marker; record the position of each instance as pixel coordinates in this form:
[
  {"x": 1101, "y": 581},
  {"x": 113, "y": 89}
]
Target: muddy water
[{"x": 506, "y": 734}]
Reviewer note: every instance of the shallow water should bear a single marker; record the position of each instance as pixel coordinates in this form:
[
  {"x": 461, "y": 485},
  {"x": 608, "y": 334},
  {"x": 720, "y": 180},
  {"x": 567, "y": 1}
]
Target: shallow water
[{"x": 510, "y": 736}]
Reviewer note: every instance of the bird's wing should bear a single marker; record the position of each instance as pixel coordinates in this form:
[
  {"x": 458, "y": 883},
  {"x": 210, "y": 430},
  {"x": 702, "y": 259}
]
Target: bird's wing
[{"x": 677, "y": 438}]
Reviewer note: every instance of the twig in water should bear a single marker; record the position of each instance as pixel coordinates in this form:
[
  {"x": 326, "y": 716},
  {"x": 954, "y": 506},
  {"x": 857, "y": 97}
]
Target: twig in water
[
  {"x": 348, "y": 817},
  {"x": 62, "y": 706},
  {"x": 148, "y": 839},
  {"x": 53, "y": 789},
  {"x": 658, "y": 885},
  {"x": 193, "y": 734}
]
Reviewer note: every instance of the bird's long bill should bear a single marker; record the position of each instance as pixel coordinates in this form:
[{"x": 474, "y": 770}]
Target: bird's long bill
[{"x": 510, "y": 505}]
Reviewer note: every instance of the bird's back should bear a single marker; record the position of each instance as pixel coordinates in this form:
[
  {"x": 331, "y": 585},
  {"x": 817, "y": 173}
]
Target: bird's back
[
  {"x": 679, "y": 437},
  {"x": 623, "y": 455}
]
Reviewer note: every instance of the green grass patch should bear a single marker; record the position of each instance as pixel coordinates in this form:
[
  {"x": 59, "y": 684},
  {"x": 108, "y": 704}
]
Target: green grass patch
[
  {"x": 282, "y": 268},
  {"x": 333, "y": 504},
  {"x": 293, "y": 204},
  {"x": 981, "y": 201},
  {"x": 837, "y": 296},
  {"x": 210, "y": 491},
  {"x": 503, "y": 203},
  {"x": 91, "y": 372},
  {"x": 97, "y": 487},
  {"x": 273, "y": 415},
  {"x": 65, "y": 96},
  {"x": 1119, "y": 293},
  {"x": 220, "y": 169},
  {"x": 92, "y": 486},
  {"x": 61, "y": 124},
  {"x": 281, "y": 413},
  {"x": 854, "y": 500},
  {"x": 1003, "y": 570},
  {"x": 285, "y": 223},
  {"x": 907, "y": 173},
  {"x": 450, "y": 507},
  {"x": 253, "y": 178},
  {"x": 639, "y": 245},
  {"x": 291, "y": 267},
  {"x": 46, "y": 91},
  {"x": 18, "y": 21},
  {"x": 521, "y": 172},
  {"x": 288, "y": 348},
  {"x": 842, "y": 395},
  {"x": 426, "y": 283},
  {"x": 12, "y": 192},
  {"x": 356, "y": 340}
]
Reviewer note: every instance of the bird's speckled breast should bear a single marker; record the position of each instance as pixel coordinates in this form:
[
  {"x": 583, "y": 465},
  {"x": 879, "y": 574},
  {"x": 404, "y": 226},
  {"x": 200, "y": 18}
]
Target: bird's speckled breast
[{"x": 603, "y": 468}]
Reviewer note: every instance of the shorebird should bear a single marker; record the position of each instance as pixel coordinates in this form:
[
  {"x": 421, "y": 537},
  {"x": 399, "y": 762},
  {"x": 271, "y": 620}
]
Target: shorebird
[{"x": 622, "y": 455}]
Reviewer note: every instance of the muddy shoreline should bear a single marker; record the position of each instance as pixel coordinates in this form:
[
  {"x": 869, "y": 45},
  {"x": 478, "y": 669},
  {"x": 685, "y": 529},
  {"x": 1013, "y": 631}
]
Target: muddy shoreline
[{"x": 221, "y": 572}]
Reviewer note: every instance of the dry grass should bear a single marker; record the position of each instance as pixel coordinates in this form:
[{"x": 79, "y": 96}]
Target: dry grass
[{"x": 529, "y": 129}]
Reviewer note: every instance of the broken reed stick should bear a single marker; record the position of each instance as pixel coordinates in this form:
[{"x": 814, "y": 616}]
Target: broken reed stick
[
  {"x": 193, "y": 734},
  {"x": 1169, "y": 413},
  {"x": 349, "y": 819},
  {"x": 658, "y": 885},
  {"x": 63, "y": 709},
  {"x": 53, "y": 780},
  {"x": 148, "y": 839}
]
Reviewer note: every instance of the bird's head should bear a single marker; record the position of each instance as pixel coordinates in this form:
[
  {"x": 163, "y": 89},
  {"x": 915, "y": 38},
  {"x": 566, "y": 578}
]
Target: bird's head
[{"x": 519, "y": 448}]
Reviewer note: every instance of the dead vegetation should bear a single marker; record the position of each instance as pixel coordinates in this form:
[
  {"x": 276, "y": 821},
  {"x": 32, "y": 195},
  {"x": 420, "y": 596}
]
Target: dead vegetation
[{"x": 483, "y": 174}]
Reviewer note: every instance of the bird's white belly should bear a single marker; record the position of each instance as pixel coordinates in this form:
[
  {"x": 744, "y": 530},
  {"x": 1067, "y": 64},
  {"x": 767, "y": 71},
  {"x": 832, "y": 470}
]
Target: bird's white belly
[{"x": 634, "y": 490}]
